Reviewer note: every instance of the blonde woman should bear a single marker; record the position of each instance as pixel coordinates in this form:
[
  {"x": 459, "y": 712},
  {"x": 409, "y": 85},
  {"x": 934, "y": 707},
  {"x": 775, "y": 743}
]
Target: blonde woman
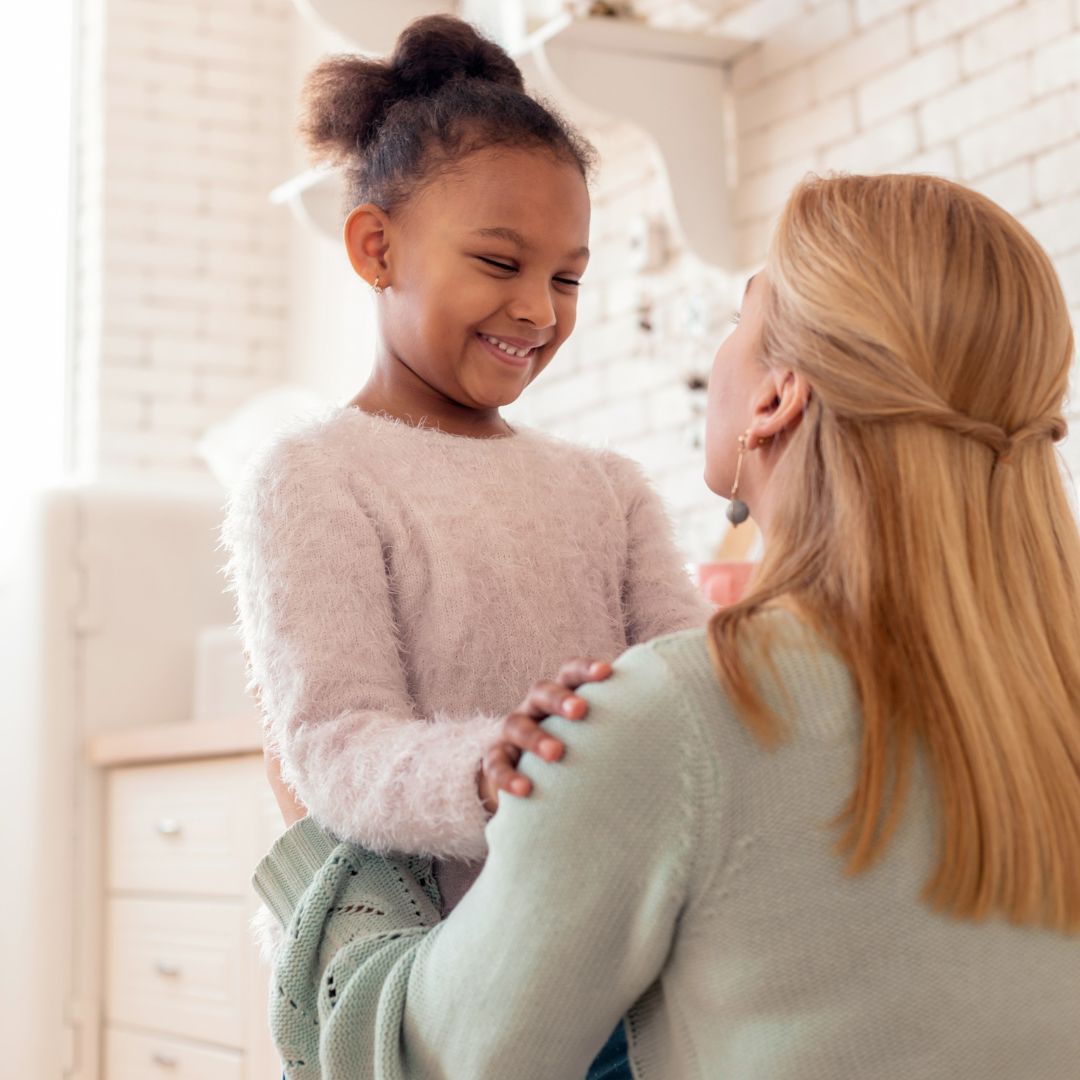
[{"x": 836, "y": 834}]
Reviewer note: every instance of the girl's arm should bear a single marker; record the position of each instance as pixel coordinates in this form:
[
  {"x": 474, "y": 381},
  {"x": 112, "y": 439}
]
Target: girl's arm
[
  {"x": 589, "y": 878},
  {"x": 313, "y": 598},
  {"x": 658, "y": 594}
]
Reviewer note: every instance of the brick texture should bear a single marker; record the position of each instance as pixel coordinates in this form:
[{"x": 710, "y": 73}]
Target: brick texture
[
  {"x": 983, "y": 91},
  {"x": 183, "y": 266},
  {"x": 182, "y": 277}
]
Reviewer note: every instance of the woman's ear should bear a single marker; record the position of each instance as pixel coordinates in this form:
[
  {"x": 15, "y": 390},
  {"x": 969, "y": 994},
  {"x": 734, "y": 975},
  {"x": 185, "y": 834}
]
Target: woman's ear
[
  {"x": 366, "y": 237},
  {"x": 779, "y": 407}
]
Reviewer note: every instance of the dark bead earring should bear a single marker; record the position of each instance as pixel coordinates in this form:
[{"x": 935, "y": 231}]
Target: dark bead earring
[{"x": 738, "y": 511}]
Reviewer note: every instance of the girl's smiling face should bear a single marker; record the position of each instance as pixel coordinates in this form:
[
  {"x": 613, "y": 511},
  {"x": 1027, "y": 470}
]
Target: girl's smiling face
[{"x": 482, "y": 269}]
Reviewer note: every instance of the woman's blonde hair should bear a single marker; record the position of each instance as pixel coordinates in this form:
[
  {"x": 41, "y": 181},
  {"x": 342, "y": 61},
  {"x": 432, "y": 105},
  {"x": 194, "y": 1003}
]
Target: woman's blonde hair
[{"x": 923, "y": 526}]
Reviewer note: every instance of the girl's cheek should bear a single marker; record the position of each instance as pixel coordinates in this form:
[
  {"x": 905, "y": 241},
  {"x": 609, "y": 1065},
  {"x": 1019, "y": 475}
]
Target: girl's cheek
[{"x": 567, "y": 318}]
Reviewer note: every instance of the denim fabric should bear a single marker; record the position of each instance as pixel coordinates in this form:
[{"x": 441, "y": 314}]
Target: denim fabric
[{"x": 612, "y": 1062}]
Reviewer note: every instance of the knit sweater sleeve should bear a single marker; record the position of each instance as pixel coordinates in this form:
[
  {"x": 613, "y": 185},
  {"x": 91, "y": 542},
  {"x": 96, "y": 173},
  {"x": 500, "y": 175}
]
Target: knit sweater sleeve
[
  {"x": 657, "y": 593},
  {"x": 307, "y": 567},
  {"x": 570, "y": 922}
]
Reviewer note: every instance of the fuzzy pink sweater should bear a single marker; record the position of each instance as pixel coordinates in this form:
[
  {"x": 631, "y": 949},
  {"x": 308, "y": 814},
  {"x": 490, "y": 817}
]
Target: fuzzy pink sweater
[{"x": 398, "y": 590}]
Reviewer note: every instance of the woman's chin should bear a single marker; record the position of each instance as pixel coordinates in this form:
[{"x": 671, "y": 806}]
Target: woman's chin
[{"x": 716, "y": 485}]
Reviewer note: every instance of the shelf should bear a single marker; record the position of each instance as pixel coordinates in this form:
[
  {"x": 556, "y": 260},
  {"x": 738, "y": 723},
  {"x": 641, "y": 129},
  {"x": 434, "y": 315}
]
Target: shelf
[
  {"x": 369, "y": 26},
  {"x": 175, "y": 742},
  {"x": 631, "y": 38},
  {"x": 316, "y": 197},
  {"x": 673, "y": 86},
  {"x": 594, "y": 68}
]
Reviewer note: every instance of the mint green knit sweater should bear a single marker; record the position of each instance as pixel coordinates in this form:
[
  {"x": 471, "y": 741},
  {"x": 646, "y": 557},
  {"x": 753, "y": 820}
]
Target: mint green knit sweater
[{"x": 670, "y": 871}]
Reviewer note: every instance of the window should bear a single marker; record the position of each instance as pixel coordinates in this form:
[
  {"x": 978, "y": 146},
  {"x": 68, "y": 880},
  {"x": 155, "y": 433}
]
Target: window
[{"x": 36, "y": 82}]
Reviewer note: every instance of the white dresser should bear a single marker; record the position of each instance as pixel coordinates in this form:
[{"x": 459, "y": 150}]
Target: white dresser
[
  {"x": 100, "y": 612},
  {"x": 188, "y": 814}
]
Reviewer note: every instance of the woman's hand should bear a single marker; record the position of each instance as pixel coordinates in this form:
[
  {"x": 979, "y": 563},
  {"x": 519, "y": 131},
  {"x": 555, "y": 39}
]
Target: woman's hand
[
  {"x": 521, "y": 730},
  {"x": 292, "y": 809}
]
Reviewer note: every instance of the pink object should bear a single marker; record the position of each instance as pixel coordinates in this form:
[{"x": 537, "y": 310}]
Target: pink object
[
  {"x": 399, "y": 588},
  {"x": 724, "y": 583}
]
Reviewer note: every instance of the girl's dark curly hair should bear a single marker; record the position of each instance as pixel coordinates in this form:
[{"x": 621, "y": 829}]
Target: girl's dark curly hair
[{"x": 445, "y": 92}]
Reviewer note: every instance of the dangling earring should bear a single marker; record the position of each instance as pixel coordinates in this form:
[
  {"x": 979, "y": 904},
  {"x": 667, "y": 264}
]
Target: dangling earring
[
  {"x": 377, "y": 288},
  {"x": 738, "y": 511}
]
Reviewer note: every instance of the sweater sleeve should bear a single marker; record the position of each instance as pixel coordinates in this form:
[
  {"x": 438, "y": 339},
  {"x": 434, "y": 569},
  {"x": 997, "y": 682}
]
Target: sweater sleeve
[
  {"x": 570, "y": 922},
  {"x": 658, "y": 594},
  {"x": 307, "y": 567}
]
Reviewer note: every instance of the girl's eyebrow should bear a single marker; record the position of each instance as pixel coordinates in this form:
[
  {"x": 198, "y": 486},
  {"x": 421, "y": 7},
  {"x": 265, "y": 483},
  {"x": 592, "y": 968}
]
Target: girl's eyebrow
[{"x": 500, "y": 232}]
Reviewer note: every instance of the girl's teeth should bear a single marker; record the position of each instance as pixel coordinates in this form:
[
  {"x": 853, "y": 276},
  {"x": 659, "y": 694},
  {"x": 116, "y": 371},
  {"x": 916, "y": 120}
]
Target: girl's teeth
[{"x": 506, "y": 348}]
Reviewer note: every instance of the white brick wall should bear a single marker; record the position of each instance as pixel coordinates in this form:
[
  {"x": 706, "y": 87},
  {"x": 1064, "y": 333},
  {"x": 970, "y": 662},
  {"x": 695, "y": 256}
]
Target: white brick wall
[
  {"x": 859, "y": 57},
  {"x": 983, "y": 91},
  {"x": 1025, "y": 131},
  {"x": 921, "y": 77},
  {"x": 183, "y": 270},
  {"x": 183, "y": 264},
  {"x": 1015, "y": 32},
  {"x": 869, "y": 11},
  {"x": 975, "y": 102},
  {"x": 941, "y": 19}
]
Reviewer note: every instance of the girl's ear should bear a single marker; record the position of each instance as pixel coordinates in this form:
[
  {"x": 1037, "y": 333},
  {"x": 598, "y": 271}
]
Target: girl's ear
[
  {"x": 366, "y": 241},
  {"x": 780, "y": 405}
]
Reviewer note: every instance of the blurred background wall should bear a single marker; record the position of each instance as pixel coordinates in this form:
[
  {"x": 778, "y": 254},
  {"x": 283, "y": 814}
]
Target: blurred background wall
[{"x": 193, "y": 292}]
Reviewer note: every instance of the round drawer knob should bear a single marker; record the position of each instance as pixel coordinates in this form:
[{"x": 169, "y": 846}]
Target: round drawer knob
[
  {"x": 166, "y": 1061},
  {"x": 168, "y": 826},
  {"x": 169, "y": 970}
]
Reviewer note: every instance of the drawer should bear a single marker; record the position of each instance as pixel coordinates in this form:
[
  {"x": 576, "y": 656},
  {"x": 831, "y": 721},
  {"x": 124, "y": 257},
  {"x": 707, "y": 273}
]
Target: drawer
[
  {"x": 182, "y": 967},
  {"x": 132, "y": 1055},
  {"x": 187, "y": 828}
]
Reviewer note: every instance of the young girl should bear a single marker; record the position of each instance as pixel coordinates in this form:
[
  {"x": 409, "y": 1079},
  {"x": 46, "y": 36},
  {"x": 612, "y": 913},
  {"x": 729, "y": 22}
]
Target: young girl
[{"x": 407, "y": 565}]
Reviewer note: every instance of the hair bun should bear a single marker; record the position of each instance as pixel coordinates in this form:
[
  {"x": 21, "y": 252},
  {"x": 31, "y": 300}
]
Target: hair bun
[
  {"x": 438, "y": 48},
  {"x": 346, "y": 97}
]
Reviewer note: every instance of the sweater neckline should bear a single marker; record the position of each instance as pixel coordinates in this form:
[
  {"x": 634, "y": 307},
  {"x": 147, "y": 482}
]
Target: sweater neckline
[{"x": 429, "y": 431}]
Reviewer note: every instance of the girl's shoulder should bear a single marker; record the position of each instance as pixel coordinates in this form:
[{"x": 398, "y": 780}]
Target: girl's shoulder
[
  {"x": 318, "y": 444},
  {"x": 343, "y": 445},
  {"x": 624, "y": 474}
]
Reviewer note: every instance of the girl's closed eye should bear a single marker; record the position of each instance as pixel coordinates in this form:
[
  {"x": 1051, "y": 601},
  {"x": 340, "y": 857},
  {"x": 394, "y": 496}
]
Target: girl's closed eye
[
  {"x": 511, "y": 269},
  {"x": 499, "y": 265}
]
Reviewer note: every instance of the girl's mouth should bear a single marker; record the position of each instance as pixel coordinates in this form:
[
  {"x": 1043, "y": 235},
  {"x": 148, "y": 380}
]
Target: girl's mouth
[{"x": 508, "y": 354}]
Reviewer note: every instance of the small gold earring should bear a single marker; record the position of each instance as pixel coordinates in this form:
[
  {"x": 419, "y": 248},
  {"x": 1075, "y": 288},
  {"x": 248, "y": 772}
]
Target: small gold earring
[
  {"x": 377, "y": 288},
  {"x": 738, "y": 511}
]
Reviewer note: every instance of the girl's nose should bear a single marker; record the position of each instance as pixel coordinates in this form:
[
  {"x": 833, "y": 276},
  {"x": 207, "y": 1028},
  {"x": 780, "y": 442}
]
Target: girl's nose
[{"x": 533, "y": 305}]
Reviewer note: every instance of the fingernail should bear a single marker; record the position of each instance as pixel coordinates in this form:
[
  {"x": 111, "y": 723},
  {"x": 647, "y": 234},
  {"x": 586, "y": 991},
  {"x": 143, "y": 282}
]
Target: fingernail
[
  {"x": 549, "y": 746},
  {"x": 570, "y": 705}
]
